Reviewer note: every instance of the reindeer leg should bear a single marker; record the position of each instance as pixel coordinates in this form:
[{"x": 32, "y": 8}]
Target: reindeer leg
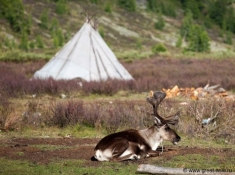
[
  {"x": 152, "y": 154},
  {"x": 133, "y": 152},
  {"x": 127, "y": 157},
  {"x": 119, "y": 147}
]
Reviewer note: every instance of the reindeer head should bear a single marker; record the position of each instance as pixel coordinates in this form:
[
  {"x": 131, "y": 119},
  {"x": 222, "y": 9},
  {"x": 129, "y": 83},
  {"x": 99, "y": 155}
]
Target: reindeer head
[{"x": 165, "y": 132}]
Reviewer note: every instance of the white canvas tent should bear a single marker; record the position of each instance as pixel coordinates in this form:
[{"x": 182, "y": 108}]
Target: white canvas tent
[{"x": 85, "y": 56}]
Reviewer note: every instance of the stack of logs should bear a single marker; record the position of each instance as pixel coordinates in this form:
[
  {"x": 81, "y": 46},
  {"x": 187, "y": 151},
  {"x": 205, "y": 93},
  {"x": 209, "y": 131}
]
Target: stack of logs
[{"x": 199, "y": 93}]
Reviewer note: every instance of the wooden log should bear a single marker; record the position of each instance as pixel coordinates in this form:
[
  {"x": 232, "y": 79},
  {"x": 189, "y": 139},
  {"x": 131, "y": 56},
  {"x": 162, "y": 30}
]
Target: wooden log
[{"x": 151, "y": 169}]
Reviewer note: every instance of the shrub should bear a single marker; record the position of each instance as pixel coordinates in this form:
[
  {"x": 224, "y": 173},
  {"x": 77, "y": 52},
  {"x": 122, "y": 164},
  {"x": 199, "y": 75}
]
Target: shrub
[
  {"x": 155, "y": 74},
  {"x": 103, "y": 87},
  {"x": 64, "y": 114},
  {"x": 104, "y": 115},
  {"x": 5, "y": 111},
  {"x": 194, "y": 113},
  {"x": 33, "y": 115},
  {"x": 158, "y": 48},
  {"x": 7, "y": 120}
]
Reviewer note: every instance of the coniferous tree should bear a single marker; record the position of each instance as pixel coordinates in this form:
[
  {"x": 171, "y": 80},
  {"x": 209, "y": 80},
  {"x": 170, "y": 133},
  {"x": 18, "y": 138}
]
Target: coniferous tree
[
  {"x": 107, "y": 7},
  {"x": 60, "y": 36},
  {"x": 32, "y": 45},
  {"x": 230, "y": 20},
  {"x": 179, "y": 41},
  {"x": 165, "y": 7},
  {"x": 186, "y": 27},
  {"x": 129, "y": 5},
  {"x": 217, "y": 11},
  {"x": 94, "y": 1},
  {"x": 229, "y": 38},
  {"x": 13, "y": 12},
  {"x": 54, "y": 25},
  {"x": 101, "y": 32},
  {"x": 39, "y": 42},
  {"x": 160, "y": 24},
  {"x": 44, "y": 19},
  {"x": 152, "y": 5},
  {"x": 55, "y": 41},
  {"x": 24, "y": 41},
  {"x": 7, "y": 42},
  {"x": 198, "y": 40},
  {"x": 204, "y": 41},
  {"x": 61, "y": 7},
  {"x": 193, "y": 6}
]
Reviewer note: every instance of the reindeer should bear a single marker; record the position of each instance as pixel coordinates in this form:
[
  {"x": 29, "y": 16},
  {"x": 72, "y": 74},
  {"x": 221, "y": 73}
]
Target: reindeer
[{"x": 134, "y": 144}]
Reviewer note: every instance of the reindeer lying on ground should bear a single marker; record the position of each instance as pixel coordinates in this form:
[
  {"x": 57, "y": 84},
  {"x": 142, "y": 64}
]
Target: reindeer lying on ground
[{"x": 135, "y": 144}]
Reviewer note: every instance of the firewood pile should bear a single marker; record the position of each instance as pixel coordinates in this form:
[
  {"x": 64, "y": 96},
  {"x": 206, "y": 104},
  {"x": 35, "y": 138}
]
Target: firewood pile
[{"x": 200, "y": 92}]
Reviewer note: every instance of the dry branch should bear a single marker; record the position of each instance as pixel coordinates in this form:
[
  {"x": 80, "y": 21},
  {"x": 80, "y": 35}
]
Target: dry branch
[
  {"x": 150, "y": 169},
  {"x": 197, "y": 93}
]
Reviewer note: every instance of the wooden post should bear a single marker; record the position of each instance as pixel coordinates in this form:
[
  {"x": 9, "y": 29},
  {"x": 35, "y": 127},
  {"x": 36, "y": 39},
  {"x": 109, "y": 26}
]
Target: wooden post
[{"x": 150, "y": 169}]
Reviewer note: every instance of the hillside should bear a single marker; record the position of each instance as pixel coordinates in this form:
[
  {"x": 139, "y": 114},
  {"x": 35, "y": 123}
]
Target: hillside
[{"x": 128, "y": 33}]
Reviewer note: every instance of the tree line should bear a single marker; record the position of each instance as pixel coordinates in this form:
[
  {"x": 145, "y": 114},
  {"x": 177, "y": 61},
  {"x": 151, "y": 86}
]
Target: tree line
[{"x": 199, "y": 15}]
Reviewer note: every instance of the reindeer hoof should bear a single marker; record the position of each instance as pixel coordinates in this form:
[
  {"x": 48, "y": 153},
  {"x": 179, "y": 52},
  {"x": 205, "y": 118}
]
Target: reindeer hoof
[
  {"x": 93, "y": 158},
  {"x": 134, "y": 157},
  {"x": 147, "y": 156}
]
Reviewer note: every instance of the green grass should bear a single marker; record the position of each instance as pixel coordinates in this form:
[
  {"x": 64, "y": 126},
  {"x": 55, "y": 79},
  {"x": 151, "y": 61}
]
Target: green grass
[
  {"x": 194, "y": 161},
  {"x": 12, "y": 167},
  {"x": 22, "y": 56},
  {"x": 198, "y": 161},
  {"x": 20, "y": 154},
  {"x": 51, "y": 147},
  {"x": 203, "y": 143},
  {"x": 220, "y": 55},
  {"x": 131, "y": 55},
  {"x": 80, "y": 131}
]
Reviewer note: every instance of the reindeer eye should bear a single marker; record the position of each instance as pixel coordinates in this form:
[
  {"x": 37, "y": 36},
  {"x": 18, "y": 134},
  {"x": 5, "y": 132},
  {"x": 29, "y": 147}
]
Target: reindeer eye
[{"x": 167, "y": 128}]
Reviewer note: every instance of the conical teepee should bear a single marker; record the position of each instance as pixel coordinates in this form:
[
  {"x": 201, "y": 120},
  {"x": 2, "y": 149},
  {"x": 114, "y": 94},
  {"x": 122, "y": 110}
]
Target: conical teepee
[{"x": 85, "y": 56}]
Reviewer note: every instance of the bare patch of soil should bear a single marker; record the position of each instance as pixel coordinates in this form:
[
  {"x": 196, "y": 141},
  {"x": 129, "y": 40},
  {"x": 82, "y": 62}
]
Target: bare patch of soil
[{"x": 45, "y": 150}]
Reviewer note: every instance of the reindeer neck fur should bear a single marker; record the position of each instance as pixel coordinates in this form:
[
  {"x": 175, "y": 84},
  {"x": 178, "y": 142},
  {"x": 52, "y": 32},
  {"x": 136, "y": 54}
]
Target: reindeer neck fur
[{"x": 152, "y": 136}]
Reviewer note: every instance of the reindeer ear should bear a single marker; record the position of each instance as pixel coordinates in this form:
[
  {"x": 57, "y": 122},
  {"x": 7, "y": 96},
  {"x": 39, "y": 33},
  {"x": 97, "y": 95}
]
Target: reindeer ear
[{"x": 173, "y": 119}]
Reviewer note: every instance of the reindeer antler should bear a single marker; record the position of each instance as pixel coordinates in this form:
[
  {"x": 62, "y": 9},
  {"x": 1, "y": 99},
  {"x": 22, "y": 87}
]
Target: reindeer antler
[{"x": 155, "y": 98}]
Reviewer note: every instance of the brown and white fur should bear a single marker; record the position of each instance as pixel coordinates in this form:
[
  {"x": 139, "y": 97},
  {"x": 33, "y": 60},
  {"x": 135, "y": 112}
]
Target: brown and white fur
[{"x": 135, "y": 144}]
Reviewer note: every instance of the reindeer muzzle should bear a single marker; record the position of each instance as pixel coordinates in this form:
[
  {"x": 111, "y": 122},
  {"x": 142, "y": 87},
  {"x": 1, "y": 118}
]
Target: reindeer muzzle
[{"x": 176, "y": 140}]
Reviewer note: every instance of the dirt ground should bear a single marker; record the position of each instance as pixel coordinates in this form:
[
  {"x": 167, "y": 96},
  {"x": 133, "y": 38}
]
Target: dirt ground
[{"x": 45, "y": 150}]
